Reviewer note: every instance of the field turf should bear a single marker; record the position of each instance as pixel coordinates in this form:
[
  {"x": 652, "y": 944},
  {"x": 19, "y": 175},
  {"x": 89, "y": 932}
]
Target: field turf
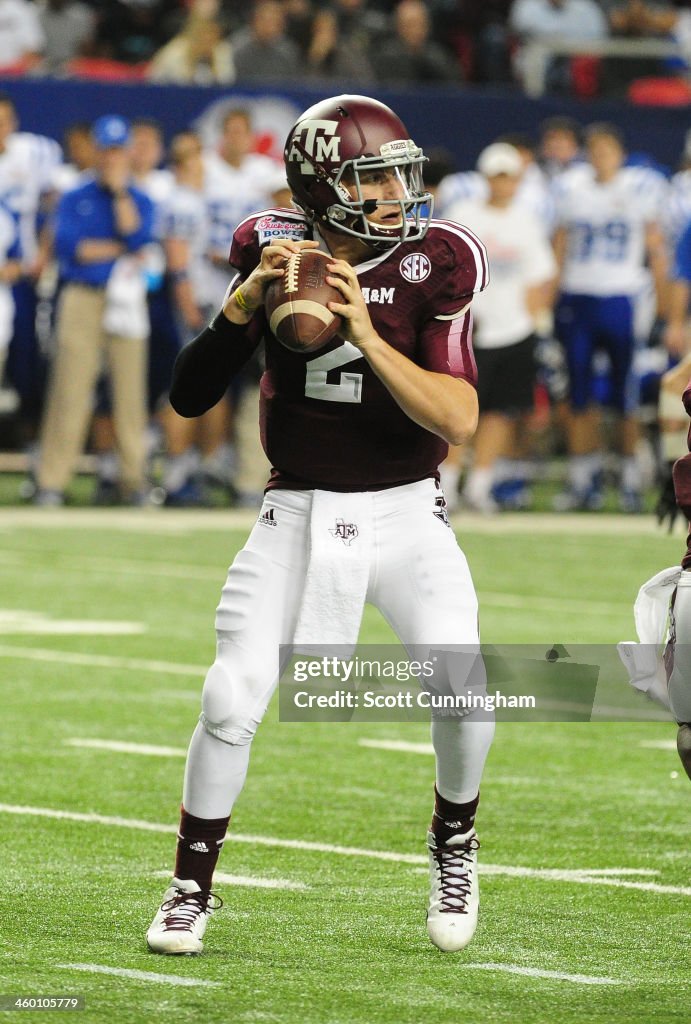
[{"x": 106, "y": 629}]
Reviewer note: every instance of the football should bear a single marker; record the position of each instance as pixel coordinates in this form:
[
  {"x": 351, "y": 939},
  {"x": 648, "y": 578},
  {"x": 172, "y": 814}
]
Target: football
[{"x": 296, "y": 303}]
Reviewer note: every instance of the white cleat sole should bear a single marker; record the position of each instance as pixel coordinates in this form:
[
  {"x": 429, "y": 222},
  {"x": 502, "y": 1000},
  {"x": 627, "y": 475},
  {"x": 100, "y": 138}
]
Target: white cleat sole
[{"x": 186, "y": 948}]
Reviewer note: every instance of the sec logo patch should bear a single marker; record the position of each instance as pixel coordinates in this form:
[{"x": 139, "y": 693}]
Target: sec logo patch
[{"x": 415, "y": 267}]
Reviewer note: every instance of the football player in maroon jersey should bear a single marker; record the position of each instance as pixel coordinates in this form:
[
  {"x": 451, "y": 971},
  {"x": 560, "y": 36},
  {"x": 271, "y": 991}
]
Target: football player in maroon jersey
[
  {"x": 663, "y": 609},
  {"x": 355, "y": 433},
  {"x": 678, "y": 652}
]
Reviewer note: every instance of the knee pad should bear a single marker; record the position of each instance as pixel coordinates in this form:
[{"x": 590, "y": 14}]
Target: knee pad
[{"x": 235, "y": 695}]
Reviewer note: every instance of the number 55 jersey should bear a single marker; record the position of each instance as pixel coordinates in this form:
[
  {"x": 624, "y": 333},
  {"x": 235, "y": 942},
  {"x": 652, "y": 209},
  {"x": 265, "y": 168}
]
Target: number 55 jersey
[{"x": 326, "y": 419}]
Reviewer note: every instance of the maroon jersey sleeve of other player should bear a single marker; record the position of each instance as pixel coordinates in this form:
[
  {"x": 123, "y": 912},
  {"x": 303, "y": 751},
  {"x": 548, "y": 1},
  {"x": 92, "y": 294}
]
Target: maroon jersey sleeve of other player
[{"x": 446, "y": 340}]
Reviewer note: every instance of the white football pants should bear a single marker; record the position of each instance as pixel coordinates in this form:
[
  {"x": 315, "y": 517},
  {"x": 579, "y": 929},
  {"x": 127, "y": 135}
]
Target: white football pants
[
  {"x": 419, "y": 580},
  {"x": 679, "y": 684}
]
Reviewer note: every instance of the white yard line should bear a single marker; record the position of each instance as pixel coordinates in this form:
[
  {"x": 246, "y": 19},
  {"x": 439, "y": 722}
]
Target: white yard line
[
  {"x": 620, "y": 883},
  {"x": 588, "y": 876},
  {"x": 100, "y": 661},
  {"x": 18, "y": 621},
  {"x": 125, "y": 972},
  {"x": 402, "y": 745},
  {"x": 249, "y": 881},
  {"x": 659, "y": 744},
  {"x": 534, "y": 972},
  {"x": 127, "y": 748}
]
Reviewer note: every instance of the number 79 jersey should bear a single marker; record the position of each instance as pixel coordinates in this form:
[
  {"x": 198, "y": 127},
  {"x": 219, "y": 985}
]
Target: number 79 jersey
[
  {"x": 326, "y": 419},
  {"x": 606, "y": 228}
]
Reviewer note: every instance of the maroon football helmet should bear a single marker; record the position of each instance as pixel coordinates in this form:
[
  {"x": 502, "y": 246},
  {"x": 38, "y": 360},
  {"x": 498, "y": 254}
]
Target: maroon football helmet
[{"x": 332, "y": 144}]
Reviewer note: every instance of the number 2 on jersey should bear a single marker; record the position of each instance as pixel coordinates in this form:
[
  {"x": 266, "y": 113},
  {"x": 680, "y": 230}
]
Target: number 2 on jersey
[{"x": 349, "y": 385}]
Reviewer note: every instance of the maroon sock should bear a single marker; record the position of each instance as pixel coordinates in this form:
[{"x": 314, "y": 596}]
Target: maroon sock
[
  {"x": 199, "y": 845},
  {"x": 450, "y": 818}
]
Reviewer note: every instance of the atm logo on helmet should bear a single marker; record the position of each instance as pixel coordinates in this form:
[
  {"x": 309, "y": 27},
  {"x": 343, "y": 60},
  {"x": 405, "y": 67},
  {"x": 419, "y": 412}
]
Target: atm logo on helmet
[{"x": 318, "y": 140}]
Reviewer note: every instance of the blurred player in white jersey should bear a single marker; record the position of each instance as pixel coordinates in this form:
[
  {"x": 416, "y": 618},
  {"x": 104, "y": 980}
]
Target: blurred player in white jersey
[
  {"x": 10, "y": 268},
  {"x": 157, "y": 182},
  {"x": 678, "y": 212},
  {"x": 522, "y": 287},
  {"x": 186, "y": 231},
  {"x": 147, "y": 156},
  {"x": 533, "y": 191},
  {"x": 607, "y": 238},
  {"x": 27, "y": 163},
  {"x": 237, "y": 183}
]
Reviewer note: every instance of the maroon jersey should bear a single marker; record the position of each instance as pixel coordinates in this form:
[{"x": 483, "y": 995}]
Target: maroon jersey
[
  {"x": 682, "y": 480},
  {"x": 326, "y": 419}
]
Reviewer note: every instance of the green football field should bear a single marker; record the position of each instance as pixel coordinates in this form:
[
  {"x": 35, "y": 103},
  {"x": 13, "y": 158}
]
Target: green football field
[{"x": 106, "y": 623}]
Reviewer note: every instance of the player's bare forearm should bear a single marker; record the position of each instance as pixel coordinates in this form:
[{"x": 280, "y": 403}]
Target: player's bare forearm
[
  {"x": 559, "y": 243},
  {"x": 10, "y": 271},
  {"x": 677, "y": 315},
  {"x": 656, "y": 252},
  {"x": 184, "y": 298},
  {"x": 444, "y": 405},
  {"x": 539, "y": 298},
  {"x": 679, "y": 295}
]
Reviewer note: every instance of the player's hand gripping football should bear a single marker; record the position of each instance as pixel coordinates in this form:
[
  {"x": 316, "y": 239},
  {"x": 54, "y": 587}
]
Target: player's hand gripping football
[
  {"x": 240, "y": 305},
  {"x": 357, "y": 326}
]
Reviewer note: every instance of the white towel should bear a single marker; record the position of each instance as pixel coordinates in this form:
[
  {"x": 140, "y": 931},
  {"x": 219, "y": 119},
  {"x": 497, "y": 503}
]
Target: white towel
[
  {"x": 341, "y": 543},
  {"x": 125, "y": 314},
  {"x": 643, "y": 660},
  {"x": 651, "y": 609}
]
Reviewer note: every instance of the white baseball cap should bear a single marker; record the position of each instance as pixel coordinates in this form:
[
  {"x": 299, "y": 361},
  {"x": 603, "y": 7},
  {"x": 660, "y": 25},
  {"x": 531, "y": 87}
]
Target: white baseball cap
[{"x": 500, "y": 158}]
